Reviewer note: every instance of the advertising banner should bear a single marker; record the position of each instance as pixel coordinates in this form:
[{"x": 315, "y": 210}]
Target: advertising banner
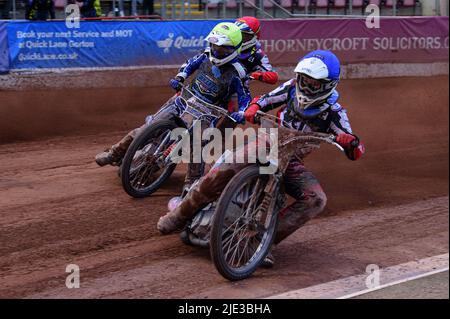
[
  {"x": 397, "y": 40},
  {"x": 143, "y": 43},
  {"x": 105, "y": 43}
]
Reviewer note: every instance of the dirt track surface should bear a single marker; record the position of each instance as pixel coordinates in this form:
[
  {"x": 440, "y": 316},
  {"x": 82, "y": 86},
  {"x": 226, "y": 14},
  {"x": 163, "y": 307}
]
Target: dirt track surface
[{"x": 57, "y": 207}]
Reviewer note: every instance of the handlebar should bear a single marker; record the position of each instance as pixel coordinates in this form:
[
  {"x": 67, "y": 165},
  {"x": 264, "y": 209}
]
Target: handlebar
[
  {"x": 208, "y": 105},
  {"x": 313, "y": 136}
]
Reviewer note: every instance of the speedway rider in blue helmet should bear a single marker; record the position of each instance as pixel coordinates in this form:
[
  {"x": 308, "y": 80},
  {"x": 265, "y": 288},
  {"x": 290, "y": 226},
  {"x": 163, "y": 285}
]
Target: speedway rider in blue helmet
[{"x": 309, "y": 104}]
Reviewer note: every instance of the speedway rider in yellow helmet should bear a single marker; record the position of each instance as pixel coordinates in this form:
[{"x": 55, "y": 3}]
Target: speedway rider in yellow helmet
[{"x": 219, "y": 76}]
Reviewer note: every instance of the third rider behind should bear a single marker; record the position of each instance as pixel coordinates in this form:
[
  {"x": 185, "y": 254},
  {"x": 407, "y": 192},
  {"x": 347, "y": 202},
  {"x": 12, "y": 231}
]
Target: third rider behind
[{"x": 252, "y": 56}]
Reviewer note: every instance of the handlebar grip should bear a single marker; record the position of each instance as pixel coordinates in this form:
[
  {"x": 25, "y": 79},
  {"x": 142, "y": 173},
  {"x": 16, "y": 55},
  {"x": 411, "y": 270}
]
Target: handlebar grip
[
  {"x": 257, "y": 118},
  {"x": 353, "y": 144}
]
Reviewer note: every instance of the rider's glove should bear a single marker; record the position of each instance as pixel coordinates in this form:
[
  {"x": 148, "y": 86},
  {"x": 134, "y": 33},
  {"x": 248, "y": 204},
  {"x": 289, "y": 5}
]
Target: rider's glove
[
  {"x": 251, "y": 112},
  {"x": 269, "y": 77},
  {"x": 354, "y": 149},
  {"x": 238, "y": 117},
  {"x": 345, "y": 140},
  {"x": 176, "y": 83}
]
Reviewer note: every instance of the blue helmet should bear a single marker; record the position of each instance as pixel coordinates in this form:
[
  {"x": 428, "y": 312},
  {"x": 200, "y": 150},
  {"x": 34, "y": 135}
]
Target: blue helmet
[{"x": 318, "y": 75}]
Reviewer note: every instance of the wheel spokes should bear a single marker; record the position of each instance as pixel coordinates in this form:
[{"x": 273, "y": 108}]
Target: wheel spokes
[
  {"x": 241, "y": 238},
  {"x": 144, "y": 164}
]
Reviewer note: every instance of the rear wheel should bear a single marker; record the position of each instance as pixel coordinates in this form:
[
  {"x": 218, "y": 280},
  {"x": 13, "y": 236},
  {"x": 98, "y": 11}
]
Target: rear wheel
[
  {"x": 244, "y": 225},
  {"x": 144, "y": 168}
]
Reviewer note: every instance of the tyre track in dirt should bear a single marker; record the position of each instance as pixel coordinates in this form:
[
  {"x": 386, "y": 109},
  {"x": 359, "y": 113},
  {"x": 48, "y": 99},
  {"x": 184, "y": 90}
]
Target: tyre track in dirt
[{"x": 154, "y": 275}]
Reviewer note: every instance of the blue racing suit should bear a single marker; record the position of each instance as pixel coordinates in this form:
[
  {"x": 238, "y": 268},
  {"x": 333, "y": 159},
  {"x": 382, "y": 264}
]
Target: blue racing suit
[{"x": 214, "y": 84}]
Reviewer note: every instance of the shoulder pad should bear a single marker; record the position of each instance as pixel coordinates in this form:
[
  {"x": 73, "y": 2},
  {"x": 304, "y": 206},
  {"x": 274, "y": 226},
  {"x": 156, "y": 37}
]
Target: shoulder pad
[
  {"x": 333, "y": 98},
  {"x": 336, "y": 107}
]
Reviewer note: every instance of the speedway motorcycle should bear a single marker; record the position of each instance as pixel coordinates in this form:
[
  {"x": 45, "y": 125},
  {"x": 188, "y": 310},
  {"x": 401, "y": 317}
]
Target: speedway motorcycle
[
  {"x": 149, "y": 161},
  {"x": 239, "y": 228}
]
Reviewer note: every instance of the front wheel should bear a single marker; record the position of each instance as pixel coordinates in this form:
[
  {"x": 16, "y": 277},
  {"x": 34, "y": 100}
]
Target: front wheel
[
  {"x": 244, "y": 224},
  {"x": 145, "y": 168}
]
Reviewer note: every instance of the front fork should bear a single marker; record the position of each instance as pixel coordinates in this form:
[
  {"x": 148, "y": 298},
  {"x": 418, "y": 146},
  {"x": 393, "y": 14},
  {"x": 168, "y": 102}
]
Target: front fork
[
  {"x": 270, "y": 200},
  {"x": 190, "y": 131}
]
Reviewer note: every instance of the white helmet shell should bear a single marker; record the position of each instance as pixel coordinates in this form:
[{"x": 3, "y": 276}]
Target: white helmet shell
[
  {"x": 316, "y": 69},
  {"x": 312, "y": 67}
]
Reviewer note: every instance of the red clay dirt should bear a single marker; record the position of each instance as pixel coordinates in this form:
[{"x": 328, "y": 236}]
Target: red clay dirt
[{"x": 57, "y": 207}]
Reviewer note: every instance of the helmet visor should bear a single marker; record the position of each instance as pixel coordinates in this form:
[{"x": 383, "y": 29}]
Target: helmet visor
[
  {"x": 221, "y": 52},
  {"x": 247, "y": 36},
  {"x": 313, "y": 88}
]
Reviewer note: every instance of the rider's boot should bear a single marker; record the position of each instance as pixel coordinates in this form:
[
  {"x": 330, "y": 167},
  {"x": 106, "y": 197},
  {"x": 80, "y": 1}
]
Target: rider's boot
[
  {"x": 269, "y": 261},
  {"x": 175, "y": 219},
  {"x": 114, "y": 155},
  {"x": 207, "y": 190}
]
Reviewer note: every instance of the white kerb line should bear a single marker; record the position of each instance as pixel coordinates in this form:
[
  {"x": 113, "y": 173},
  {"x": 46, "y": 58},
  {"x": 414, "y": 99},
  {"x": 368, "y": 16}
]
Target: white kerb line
[{"x": 362, "y": 292}]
